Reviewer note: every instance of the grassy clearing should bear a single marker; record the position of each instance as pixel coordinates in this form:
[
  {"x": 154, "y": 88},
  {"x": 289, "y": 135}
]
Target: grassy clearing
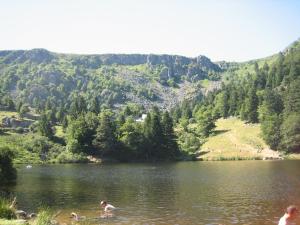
[
  {"x": 8, "y": 114},
  {"x": 13, "y": 141},
  {"x": 59, "y": 132},
  {"x": 205, "y": 83},
  {"x": 236, "y": 140}
]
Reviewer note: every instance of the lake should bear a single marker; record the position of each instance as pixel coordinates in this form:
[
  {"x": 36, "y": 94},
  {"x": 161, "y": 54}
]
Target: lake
[{"x": 227, "y": 192}]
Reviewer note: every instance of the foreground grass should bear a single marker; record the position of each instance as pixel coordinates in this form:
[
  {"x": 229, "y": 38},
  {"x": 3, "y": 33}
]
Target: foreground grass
[
  {"x": 236, "y": 140},
  {"x": 12, "y": 222},
  {"x": 8, "y": 216},
  {"x": 5, "y": 210},
  {"x": 44, "y": 217}
]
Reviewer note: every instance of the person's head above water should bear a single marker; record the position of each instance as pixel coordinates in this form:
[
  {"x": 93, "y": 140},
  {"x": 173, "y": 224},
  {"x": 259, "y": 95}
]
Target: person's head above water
[
  {"x": 292, "y": 211},
  {"x": 103, "y": 203}
]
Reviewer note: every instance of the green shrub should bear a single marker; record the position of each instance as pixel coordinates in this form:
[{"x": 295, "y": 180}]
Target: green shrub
[
  {"x": 7, "y": 171},
  {"x": 44, "y": 217},
  {"x": 69, "y": 157},
  {"x": 19, "y": 130},
  {"x": 5, "y": 211}
]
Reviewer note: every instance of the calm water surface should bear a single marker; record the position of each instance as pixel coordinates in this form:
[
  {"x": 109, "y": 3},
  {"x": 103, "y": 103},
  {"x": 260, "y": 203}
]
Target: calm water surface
[{"x": 243, "y": 192}]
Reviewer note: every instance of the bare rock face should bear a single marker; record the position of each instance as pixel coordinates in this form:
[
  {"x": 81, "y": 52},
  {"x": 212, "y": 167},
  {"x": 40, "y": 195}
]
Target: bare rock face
[
  {"x": 35, "y": 55},
  {"x": 207, "y": 64},
  {"x": 195, "y": 73},
  {"x": 165, "y": 74}
]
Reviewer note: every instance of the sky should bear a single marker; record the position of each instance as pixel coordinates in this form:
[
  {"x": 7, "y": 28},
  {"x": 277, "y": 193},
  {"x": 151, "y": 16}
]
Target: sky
[{"x": 231, "y": 30}]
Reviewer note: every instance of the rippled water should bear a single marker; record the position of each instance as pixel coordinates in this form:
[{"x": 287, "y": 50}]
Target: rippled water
[{"x": 243, "y": 192}]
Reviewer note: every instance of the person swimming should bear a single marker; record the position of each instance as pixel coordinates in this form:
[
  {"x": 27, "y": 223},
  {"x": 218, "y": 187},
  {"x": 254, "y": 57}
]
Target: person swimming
[
  {"x": 76, "y": 217},
  {"x": 107, "y": 207},
  {"x": 289, "y": 216}
]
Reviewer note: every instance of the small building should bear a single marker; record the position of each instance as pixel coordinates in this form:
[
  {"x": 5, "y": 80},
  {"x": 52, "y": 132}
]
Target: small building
[{"x": 141, "y": 119}]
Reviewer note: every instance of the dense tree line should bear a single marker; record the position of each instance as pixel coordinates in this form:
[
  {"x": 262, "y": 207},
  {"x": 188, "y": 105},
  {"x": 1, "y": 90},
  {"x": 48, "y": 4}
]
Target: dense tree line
[{"x": 122, "y": 137}]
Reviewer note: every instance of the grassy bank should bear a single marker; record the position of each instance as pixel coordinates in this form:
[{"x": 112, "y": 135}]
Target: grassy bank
[
  {"x": 31, "y": 148},
  {"x": 8, "y": 215},
  {"x": 235, "y": 140}
]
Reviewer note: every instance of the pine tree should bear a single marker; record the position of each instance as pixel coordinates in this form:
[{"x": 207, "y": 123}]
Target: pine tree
[
  {"x": 270, "y": 128},
  {"x": 77, "y": 131},
  {"x": 170, "y": 143},
  {"x": 271, "y": 118},
  {"x": 290, "y": 128},
  {"x": 205, "y": 123},
  {"x": 252, "y": 105},
  {"x": 233, "y": 102},
  {"x": 95, "y": 106},
  {"x": 105, "y": 140},
  {"x": 279, "y": 70},
  {"x": 292, "y": 98},
  {"x": 78, "y": 106},
  {"x": 132, "y": 140},
  {"x": 156, "y": 138},
  {"x": 45, "y": 127}
]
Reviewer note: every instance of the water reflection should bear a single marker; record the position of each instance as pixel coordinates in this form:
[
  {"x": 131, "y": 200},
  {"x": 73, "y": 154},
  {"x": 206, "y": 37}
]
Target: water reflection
[{"x": 253, "y": 192}]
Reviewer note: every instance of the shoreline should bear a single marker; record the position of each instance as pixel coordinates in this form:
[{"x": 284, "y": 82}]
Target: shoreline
[{"x": 197, "y": 159}]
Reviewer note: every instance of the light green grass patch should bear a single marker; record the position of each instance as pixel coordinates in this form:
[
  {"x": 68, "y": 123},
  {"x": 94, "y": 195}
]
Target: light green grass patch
[
  {"x": 205, "y": 83},
  {"x": 235, "y": 140},
  {"x": 4, "y": 114},
  {"x": 59, "y": 132}
]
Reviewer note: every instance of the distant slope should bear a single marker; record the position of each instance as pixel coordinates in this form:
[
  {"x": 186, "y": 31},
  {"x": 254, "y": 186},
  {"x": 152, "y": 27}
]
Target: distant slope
[
  {"x": 39, "y": 75},
  {"x": 243, "y": 68},
  {"x": 236, "y": 140}
]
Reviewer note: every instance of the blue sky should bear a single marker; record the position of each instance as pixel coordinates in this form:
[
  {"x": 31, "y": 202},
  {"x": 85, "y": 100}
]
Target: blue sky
[{"x": 232, "y": 30}]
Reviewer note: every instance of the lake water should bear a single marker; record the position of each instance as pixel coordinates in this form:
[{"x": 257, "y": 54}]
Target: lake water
[{"x": 240, "y": 192}]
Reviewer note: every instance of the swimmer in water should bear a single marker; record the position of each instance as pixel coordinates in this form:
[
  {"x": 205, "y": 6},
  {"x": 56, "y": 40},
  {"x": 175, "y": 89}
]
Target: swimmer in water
[
  {"x": 107, "y": 207},
  {"x": 76, "y": 217},
  {"x": 289, "y": 216}
]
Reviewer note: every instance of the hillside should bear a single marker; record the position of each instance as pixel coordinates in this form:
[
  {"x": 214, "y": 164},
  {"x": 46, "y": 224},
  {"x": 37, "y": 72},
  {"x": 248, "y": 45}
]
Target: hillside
[
  {"x": 65, "y": 108},
  {"x": 234, "y": 139},
  {"x": 233, "y": 69},
  {"x": 37, "y": 76}
]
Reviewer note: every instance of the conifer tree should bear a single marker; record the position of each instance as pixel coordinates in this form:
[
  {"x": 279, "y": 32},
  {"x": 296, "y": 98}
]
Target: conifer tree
[
  {"x": 252, "y": 105},
  {"x": 105, "y": 140},
  {"x": 170, "y": 144},
  {"x": 45, "y": 127}
]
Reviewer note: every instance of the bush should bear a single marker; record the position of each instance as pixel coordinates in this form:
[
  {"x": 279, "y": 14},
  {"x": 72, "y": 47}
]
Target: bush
[
  {"x": 44, "y": 217},
  {"x": 42, "y": 146},
  {"x": 69, "y": 157},
  {"x": 7, "y": 171},
  {"x": 19, "y": 130},
  {"x": 5, "y": 211},
  {"x": 188, "y": 142}
]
